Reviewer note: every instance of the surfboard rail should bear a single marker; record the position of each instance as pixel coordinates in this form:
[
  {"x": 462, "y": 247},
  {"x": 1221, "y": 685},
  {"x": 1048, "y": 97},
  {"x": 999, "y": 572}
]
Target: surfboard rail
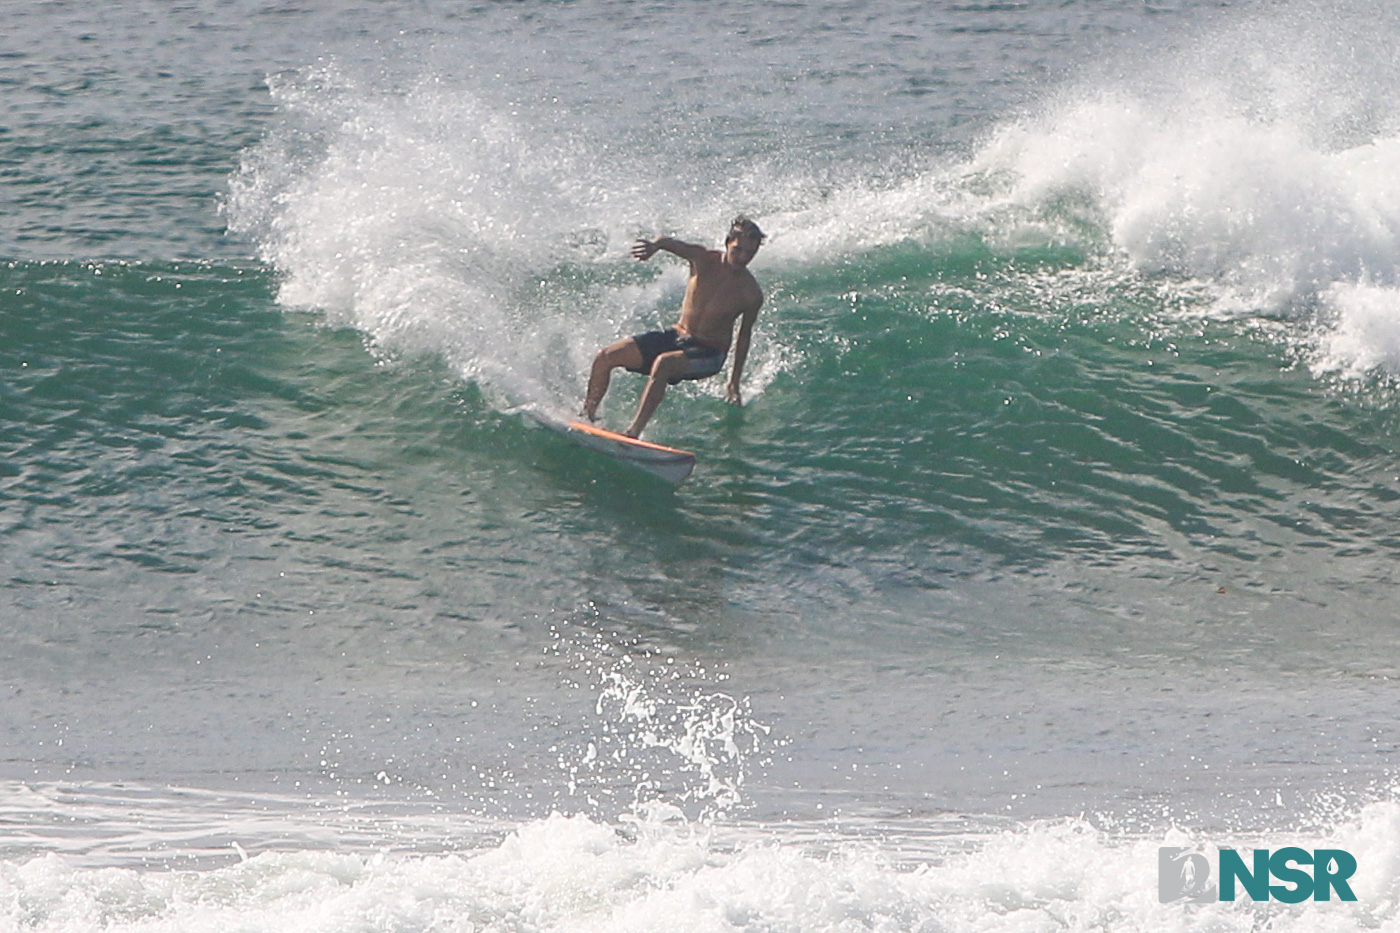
[{"x": 668, "y": 463}]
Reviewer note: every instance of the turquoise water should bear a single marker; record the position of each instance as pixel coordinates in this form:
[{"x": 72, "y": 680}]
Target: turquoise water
[{"x": 1058, "y": 524}]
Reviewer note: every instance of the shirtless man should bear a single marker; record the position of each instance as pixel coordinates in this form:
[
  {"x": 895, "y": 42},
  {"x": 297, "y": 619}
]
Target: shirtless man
[{"x": 720, "y": 291}]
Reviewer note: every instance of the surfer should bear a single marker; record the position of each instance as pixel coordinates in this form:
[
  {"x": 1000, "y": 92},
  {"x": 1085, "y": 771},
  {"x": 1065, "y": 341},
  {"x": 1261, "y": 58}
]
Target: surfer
[{"x": 720, "y": 291}]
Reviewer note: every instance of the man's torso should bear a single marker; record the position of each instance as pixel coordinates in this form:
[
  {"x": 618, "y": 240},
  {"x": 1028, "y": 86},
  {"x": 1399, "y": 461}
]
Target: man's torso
[{"x": 715, "y": 296}]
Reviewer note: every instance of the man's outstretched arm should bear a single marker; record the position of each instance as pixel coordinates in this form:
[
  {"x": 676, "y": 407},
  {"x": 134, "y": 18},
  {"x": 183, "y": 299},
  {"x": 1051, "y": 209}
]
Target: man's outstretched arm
[{"x": 690, "y": 252}]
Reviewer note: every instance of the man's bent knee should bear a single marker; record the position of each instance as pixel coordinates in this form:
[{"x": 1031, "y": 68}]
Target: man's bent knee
[{"x": 624, "y": 353}]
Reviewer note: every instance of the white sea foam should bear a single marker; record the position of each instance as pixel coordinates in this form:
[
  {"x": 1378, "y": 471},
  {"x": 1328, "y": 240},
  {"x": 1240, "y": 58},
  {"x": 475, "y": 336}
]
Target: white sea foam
[
  {"x": 566, "y": 873},
  {"x": 420, "y": 217}
]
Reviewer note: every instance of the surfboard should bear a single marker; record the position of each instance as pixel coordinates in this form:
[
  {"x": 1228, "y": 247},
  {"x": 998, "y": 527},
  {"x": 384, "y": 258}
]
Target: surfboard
[{"x": 667, "y": 463}]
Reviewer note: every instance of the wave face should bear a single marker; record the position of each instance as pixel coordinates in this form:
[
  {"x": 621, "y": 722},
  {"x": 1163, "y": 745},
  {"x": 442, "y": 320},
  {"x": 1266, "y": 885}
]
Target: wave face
[{"x": 1058, "y": 524}]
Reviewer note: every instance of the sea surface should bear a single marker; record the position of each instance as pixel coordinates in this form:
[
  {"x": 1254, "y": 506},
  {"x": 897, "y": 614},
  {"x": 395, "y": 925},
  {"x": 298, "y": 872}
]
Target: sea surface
[{"x": 1060, "y": 523}]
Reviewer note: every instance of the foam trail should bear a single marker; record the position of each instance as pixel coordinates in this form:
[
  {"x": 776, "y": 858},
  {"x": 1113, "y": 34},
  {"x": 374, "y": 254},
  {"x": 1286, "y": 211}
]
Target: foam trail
[{"x": 435, "y": 225}]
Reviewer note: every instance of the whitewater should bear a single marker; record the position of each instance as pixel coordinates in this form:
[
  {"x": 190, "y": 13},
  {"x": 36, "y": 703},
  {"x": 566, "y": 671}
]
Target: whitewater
[{"x": 1058, "y": 527}]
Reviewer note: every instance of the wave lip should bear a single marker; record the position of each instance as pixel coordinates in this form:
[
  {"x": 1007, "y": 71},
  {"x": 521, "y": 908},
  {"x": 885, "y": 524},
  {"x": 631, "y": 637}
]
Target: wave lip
[{"x": 1256, "y": 209}]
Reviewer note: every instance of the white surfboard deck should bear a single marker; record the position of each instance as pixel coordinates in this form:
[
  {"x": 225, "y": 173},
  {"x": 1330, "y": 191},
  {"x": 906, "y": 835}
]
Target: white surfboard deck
[{"x": 667, "y": 463}]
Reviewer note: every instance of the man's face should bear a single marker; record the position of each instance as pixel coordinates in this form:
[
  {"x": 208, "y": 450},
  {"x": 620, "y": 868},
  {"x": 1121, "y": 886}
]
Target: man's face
[{"x": 741, "y": 248}]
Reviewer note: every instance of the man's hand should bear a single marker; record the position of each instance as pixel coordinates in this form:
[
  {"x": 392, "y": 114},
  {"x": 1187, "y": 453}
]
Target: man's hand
[{"x": 642, "y": 250}]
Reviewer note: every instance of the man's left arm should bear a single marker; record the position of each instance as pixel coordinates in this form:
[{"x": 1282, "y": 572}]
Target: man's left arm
[{"x": 741, "y": 354}]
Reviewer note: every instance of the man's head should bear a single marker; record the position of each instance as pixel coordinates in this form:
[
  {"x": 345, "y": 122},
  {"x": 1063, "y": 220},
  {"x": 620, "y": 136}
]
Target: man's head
[
  {"x": 743, "y": 240},
  {"x": 741, "y": 226}
]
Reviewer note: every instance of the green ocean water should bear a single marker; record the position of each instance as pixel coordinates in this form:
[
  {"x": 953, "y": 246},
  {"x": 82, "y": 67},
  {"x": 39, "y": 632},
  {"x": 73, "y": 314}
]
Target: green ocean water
[{"x": 932, "y": 417}]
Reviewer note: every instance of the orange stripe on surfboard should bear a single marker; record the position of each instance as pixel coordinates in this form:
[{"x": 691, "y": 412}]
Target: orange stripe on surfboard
[{"x": 585, "y": 428}]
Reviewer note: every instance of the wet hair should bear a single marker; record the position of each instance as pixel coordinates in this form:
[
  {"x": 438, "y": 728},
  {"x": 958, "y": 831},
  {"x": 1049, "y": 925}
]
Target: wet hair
[{"x": 742, "y": 226}]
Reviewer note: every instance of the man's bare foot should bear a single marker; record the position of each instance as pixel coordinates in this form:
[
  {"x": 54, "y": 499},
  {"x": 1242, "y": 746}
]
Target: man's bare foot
[
  {"x": 632, "y": 432},
  {"x": 590, "y": 411}
]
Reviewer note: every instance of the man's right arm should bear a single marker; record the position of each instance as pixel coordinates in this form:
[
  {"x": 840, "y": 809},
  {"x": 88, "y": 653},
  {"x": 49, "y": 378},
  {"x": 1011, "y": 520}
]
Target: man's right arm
[{"x": 690, "y": 252}]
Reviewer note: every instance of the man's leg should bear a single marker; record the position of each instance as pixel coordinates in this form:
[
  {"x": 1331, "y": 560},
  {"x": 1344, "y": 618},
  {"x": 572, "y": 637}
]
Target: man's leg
[
  {"x": 623, "y": 353},
  {"x": 667, "y": 367}
]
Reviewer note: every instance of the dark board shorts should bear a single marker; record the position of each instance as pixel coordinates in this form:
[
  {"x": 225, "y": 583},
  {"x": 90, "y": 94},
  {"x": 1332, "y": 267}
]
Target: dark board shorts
[{"x": 704, "y": 360}]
